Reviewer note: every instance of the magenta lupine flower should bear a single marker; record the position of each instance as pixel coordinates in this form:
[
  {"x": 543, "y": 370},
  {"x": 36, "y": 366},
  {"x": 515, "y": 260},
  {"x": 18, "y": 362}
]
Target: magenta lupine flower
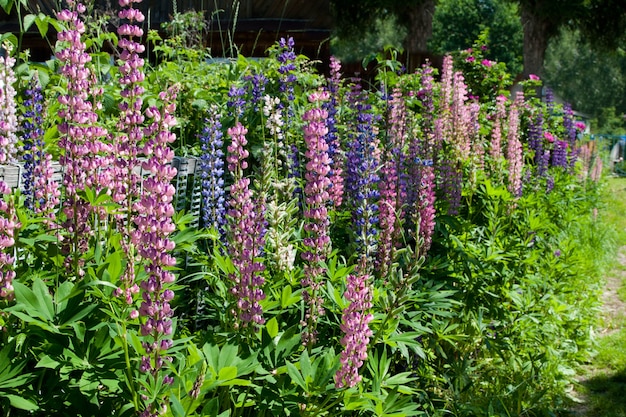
[
  {"x": 447, "y": 81},
  {"x": 355, "y": 327},
  {"x": 8, "y": 117},
  {"x": 128, "y": 142},
  {"x": 153, "y": 221},
  {"x": 83, "y": 155},
  {"x": 246, "y": 216},
  {"x": 514, "y": 151},
  {"x": 8, "y": 224},
  {"x": 317, "y": 199}
]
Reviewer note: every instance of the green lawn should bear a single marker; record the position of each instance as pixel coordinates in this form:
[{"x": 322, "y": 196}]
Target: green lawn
[{"x": 604, "y": 384}]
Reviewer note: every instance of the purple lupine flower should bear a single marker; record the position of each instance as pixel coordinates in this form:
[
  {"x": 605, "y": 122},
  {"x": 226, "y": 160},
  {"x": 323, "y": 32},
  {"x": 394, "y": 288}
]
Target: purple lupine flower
[
  {"x": 246, "y": 216},
  {"x": 8, "y": 117},
  {"x": 41, "y": 191},
  {"x": 287, "y": 58},
  {"x": 559, "y": 154},
  {"x": 571, "y": 135},
  {"x": 332, "y": 138},
  {"x": 549, "y": 184},
  {"x": 256, "y": 88},
  {"x": 535, "y": 143},
  {"x": 317, "y": 240},
  {"x": 549, "y": 100},
  {"x": 362, "y": 163},
  {"x": 514, "y": 151},
  {"x": 8, "y": 224},
  {"x": 236, "y": 103},
  {"x": 154, "y": 224},
  {"x": 426, "y": 208},
  {"x": 355, "y": 327},
  {"x": 212, "y": 172},
  {"x": 32, "y": 138},
  {"x": 84, "y": 156}
]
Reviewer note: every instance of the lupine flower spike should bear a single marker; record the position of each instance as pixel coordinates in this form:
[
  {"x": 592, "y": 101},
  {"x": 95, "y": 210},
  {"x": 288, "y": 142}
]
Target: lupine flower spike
[{"x": 317, "y": 199}]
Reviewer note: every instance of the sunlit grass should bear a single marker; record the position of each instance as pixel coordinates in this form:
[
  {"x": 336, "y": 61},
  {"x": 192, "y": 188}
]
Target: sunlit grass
[{"x": 604, "y": 387}]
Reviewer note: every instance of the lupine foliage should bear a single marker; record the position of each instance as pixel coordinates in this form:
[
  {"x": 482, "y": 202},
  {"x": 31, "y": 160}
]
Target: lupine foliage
[{"x": 428, "y": 246}]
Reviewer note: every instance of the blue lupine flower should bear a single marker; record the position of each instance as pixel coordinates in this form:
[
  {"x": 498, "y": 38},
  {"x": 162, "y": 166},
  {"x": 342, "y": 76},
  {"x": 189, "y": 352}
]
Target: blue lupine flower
[
  {"x": 212, "y": 172},
  {"x": 32, "y": 135}
]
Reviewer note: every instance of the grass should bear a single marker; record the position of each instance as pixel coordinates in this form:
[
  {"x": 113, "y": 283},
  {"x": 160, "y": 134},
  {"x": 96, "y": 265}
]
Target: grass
[{"x": 603, "y": 385}]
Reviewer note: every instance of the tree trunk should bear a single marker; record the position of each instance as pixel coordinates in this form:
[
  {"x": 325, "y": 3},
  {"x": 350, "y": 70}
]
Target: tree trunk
[
  {"x": 537, "y": 32},
  {"x": 419, "y": 17}
]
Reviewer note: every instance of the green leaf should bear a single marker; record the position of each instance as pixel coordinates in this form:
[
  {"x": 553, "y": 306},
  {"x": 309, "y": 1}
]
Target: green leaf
[
  {"x": 6, "y": 5},
  {"x": 227, "y": 373},
  {"x": 29, "y": 19},
  {"x": 176, "y": 406},
  {"x": 295, "y": 376},
  {"x": 21, "y": 403},
  {"x": 42, "y": 24},
  {"x": 47, "y": 362},
  {"x": 40, "y": 290},
  {"x": 272, "y": 327}
]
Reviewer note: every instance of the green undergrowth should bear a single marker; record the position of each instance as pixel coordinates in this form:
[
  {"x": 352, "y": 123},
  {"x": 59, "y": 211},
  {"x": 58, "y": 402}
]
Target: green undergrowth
[{"x": 603, "y": 384}]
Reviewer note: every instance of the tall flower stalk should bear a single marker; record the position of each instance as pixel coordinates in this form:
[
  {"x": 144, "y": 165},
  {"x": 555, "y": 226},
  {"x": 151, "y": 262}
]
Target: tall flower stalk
[
  {"x": 355, "y": 327},
  {"x": 8, "y": 116},
  {"x": 514, "y": 150},
  {"x": 317, "y": 199},
  {"x": 246, "y": 238},
  {"x": 83, "y": 153},
  {"x": 125, "y": 180},
  {"x": 151, "y": 238},
  {"x": 212, "y": 172}
]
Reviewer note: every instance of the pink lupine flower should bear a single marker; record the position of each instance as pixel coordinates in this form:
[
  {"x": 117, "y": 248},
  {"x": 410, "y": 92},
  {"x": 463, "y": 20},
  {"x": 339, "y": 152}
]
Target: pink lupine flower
[
  {"x": 392, "y": 189},
  {"x": 127, "y": 143},
  {"x": 246, "y": 216},
  {"x": 83, "y": 153},
  {"x": 426, "y": 208},
  {"x": 317, "y": 198},
  {"x": 8, "y": 224},
  {"x": 549, "y": 136},
  {"x": 355, "y": 327},
  {"x": 533, "y": 77},
  {"x": 514, "y": 151},
  {"x": 487, "y": 63}
]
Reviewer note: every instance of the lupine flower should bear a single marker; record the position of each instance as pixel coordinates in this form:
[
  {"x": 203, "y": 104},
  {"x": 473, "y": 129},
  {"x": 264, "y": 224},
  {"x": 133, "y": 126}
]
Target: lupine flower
[
  {"x": 559, "y": 154},
  {"x": 41, "y": 190},
  {"x": 212, "y": 172},
  {"x": 8, "y": 224},
  {"x": 596, "y": 170},
  {"x": 571, "y": 134},
  {"x": 287, "y": 59},
  {"x": 514, "y": 151},
  {"x": 533, "y": 77},
  {"x": 317, "y": 240},
  {"x": 256, "y": 87},
  {"x": 426, "y": 208},
  {"x": 8, "y": 116},
  {"x": 460, "y": 117},
  {"x": 151, "y": 238},
  {"x": 536, "y": 137},
  {"x": 495, "y": 147},
  {"x": 236, "y": 104},
  {"x": 362, "y": 163},
  {"x": 125, "y": 181},
  {"x": 392, "y": 189},
  {"x": 549, "y": 100},
  {"x": 247, "y": 230},
  {"x": 355, "y": 327},
  {"x": 83, "y": 154},
  {"x": 332, "y": 139}
]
